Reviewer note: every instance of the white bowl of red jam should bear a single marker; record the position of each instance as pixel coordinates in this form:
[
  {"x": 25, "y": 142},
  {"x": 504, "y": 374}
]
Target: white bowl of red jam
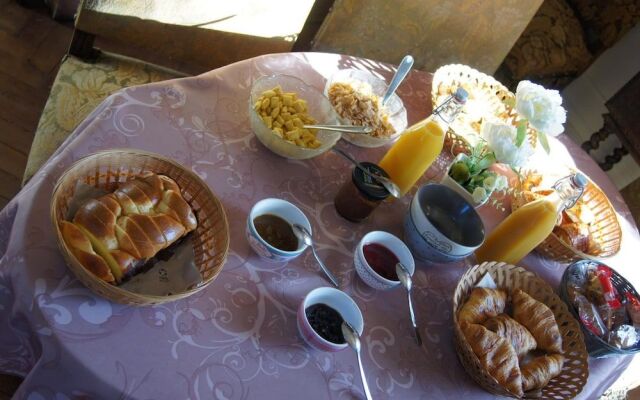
[
  {"x": 269, "y": 230},
  {"x": 376, "y": 257}
]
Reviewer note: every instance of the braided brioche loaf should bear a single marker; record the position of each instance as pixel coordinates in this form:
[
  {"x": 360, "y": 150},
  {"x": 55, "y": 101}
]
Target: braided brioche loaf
[{"x": 115, "y": 233}]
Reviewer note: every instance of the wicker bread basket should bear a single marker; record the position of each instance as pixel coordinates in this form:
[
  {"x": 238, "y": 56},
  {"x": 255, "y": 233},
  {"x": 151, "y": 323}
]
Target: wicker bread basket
[
  {"x": 608, "y": 234},
  {"x": 575, "y": 371},
  {"x": 106, "y": 170},
  {"x": 486, "y": 94}
]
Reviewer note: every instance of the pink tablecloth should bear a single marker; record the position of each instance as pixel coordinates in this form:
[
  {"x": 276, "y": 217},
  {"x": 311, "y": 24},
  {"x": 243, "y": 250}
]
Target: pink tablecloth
[{"x": 238, "y": 338}]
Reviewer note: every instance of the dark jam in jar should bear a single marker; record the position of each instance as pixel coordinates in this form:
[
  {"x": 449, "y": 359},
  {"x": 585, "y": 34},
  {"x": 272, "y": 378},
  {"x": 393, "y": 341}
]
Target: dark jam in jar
[
  {"x": 381, "y": 260},
  {"x": 326, "y": 321},
  {"x": 276, "y": 231},
  {"x": 360, "y": 195}
]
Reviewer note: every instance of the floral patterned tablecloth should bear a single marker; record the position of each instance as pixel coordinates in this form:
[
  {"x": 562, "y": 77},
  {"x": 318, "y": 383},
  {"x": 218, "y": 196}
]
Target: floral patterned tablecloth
[{"x": 237, "y": 339}]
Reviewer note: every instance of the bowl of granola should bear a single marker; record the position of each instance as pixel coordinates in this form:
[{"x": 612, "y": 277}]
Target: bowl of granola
[
  {"x": 356, "y": 96},
  {"x": 280, "y": 106}
]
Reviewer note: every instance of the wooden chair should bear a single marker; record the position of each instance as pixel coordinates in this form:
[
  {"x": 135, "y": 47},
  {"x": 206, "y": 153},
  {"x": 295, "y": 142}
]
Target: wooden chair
[
  {"x": 115, "y": 47},
  {"x": 434, "y": 32}
]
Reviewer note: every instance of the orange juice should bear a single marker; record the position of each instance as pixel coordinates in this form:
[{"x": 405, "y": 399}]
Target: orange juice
[
  {"x": 520, "y": 232},
  {"x": 419, "y": 146},
  {"x": 529, "y": 225},
  {"x": 413, "y": 153}
]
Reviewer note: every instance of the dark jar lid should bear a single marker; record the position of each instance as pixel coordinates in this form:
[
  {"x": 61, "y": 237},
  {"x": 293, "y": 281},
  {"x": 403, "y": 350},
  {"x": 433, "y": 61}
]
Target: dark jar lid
[{"x": 367, "y": 185}]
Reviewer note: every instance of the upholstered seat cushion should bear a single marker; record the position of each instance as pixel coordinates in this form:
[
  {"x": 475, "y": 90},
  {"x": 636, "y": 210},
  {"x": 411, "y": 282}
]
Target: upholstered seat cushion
[
  {"x": 605, "y": 22},
  {"x": 78, "y": 88},
  {"x": 551, "y": 46}
]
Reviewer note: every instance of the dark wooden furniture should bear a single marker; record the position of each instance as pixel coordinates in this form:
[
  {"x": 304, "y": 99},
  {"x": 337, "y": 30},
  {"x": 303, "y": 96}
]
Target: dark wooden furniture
[
  {"x": 622, "y": 120},
  {"x": 623, "y": 109},
  {"x": 188, "y": 49}
]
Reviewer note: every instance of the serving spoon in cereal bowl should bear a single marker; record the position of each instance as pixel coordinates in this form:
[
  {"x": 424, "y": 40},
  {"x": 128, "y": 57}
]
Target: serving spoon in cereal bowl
[
  {"x": 401, "y": 73},
  {"x": 342, "y": 128}
]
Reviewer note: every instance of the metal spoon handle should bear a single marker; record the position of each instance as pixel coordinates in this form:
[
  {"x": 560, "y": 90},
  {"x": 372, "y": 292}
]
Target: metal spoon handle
[
  {"x": 413, "y": 319},
  {"x": 401, "y": 73},
  {"x": 358, "y": 165},
  {"x": 353, "y": 160},
  {"x": 342, "y": 128},
  {"x": 364, "y": 378},
  {"x": 326, "y": 271}
]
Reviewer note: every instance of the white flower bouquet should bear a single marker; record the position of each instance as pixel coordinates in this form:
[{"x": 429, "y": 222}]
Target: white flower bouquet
[
  {"x": 510, "y": 126},
  {"x": 538, "y": 109}
]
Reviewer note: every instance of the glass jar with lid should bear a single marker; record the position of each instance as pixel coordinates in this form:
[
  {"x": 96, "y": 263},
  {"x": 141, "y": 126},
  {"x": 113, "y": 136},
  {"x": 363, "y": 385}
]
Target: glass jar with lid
[{"x": 360, "y": 195}]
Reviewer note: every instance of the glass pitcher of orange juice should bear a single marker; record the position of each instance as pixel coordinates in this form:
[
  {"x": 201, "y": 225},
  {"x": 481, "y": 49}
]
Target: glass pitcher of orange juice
[
  {"x": 530, "y": 224},
  {"x": 419, "y": 146}
]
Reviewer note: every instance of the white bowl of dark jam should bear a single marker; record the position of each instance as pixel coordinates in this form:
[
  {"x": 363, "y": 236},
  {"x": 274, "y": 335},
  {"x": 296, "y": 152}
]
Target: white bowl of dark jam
[
  {"x": 376, "y": 256},
  {"x": 270, "y": 233},
  {"x": 320, "y": 317}
]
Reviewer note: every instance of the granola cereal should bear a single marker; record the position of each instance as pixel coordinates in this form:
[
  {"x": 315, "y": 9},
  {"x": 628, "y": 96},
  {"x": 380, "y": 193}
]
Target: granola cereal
[{"x": 361, "y": 106}]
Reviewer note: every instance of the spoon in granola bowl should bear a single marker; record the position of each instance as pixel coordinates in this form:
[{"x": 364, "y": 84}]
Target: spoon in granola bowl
[
  {"x": 342, "y": 128},
  {"x": 398, "y": 77},
  {"x": 388, "y": 184}
]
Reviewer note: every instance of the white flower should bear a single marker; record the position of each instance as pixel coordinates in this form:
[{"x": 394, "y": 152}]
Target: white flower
[
  {"x": 542, "y": 107},
  {"x": 501, "y": 139},
  {"x": 501, "y": 183},
  {"x": 479, "y": 194},
  {"x": 489, "y": 183}
]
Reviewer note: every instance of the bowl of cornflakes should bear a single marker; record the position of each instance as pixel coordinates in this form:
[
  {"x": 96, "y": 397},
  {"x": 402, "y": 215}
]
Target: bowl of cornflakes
[
  {"x": 356, "y": 96},
  {"x": 280, "y": 106}
]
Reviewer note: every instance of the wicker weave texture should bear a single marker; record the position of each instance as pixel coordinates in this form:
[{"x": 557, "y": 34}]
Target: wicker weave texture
[
  {"x": 486, "y": 94},
  {"x": 607, "y": 232},
  {"x": 106, "y": 170},
  {"x": 575, "y": 371}
]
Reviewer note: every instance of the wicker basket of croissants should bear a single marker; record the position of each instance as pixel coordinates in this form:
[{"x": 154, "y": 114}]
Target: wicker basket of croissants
[
  {"x": 588, "y": 229},
  {"x": 518, "y": 339},
  {"x": 149, "y": 204}
]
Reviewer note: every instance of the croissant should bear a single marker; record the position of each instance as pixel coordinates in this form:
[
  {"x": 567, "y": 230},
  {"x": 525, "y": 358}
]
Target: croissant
[
  {"x": 496, "y": 355},
  {"x": 506, "y": 327},
  {"x": 483, "y": 303},
  {"x": 129, "y": 226},
  {"x": 539, "y": 320},
  {"x": 539, "y": 371}
]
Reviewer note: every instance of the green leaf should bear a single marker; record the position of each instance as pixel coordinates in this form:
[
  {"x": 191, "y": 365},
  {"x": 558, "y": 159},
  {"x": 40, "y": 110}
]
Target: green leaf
[
  {"x": 476, "y": 151},
  {"x": 488, "y": 160},
  {"x": 544, "y": 142},
  {"x": 522, "y": 132}
]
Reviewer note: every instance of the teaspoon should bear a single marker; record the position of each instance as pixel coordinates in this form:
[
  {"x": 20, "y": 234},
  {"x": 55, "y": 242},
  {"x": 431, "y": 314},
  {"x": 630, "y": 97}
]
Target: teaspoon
[
  {"x": 388, "y": 184},
  {"x": 405, "y": 279},
  {"x": 401, "y": 73},
  {"x": 342, "y": 128},
  {"x": 353, "y": 339},
  {"x": 303, "y": 234}
]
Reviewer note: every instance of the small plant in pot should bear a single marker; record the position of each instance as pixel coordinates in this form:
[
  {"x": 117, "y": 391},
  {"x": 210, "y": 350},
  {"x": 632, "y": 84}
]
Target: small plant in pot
[{"x": 469, "y": 175}]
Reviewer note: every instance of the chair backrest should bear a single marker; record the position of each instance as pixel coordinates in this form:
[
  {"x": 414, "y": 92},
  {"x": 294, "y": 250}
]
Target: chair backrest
[
  {"x": 191, "y": 36},
  {"x": 434, "y": 32}
]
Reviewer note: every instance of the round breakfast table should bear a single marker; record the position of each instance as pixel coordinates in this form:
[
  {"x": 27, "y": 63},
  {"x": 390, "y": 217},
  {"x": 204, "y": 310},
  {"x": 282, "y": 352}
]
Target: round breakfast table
[{"x": 237, "y": 339}]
